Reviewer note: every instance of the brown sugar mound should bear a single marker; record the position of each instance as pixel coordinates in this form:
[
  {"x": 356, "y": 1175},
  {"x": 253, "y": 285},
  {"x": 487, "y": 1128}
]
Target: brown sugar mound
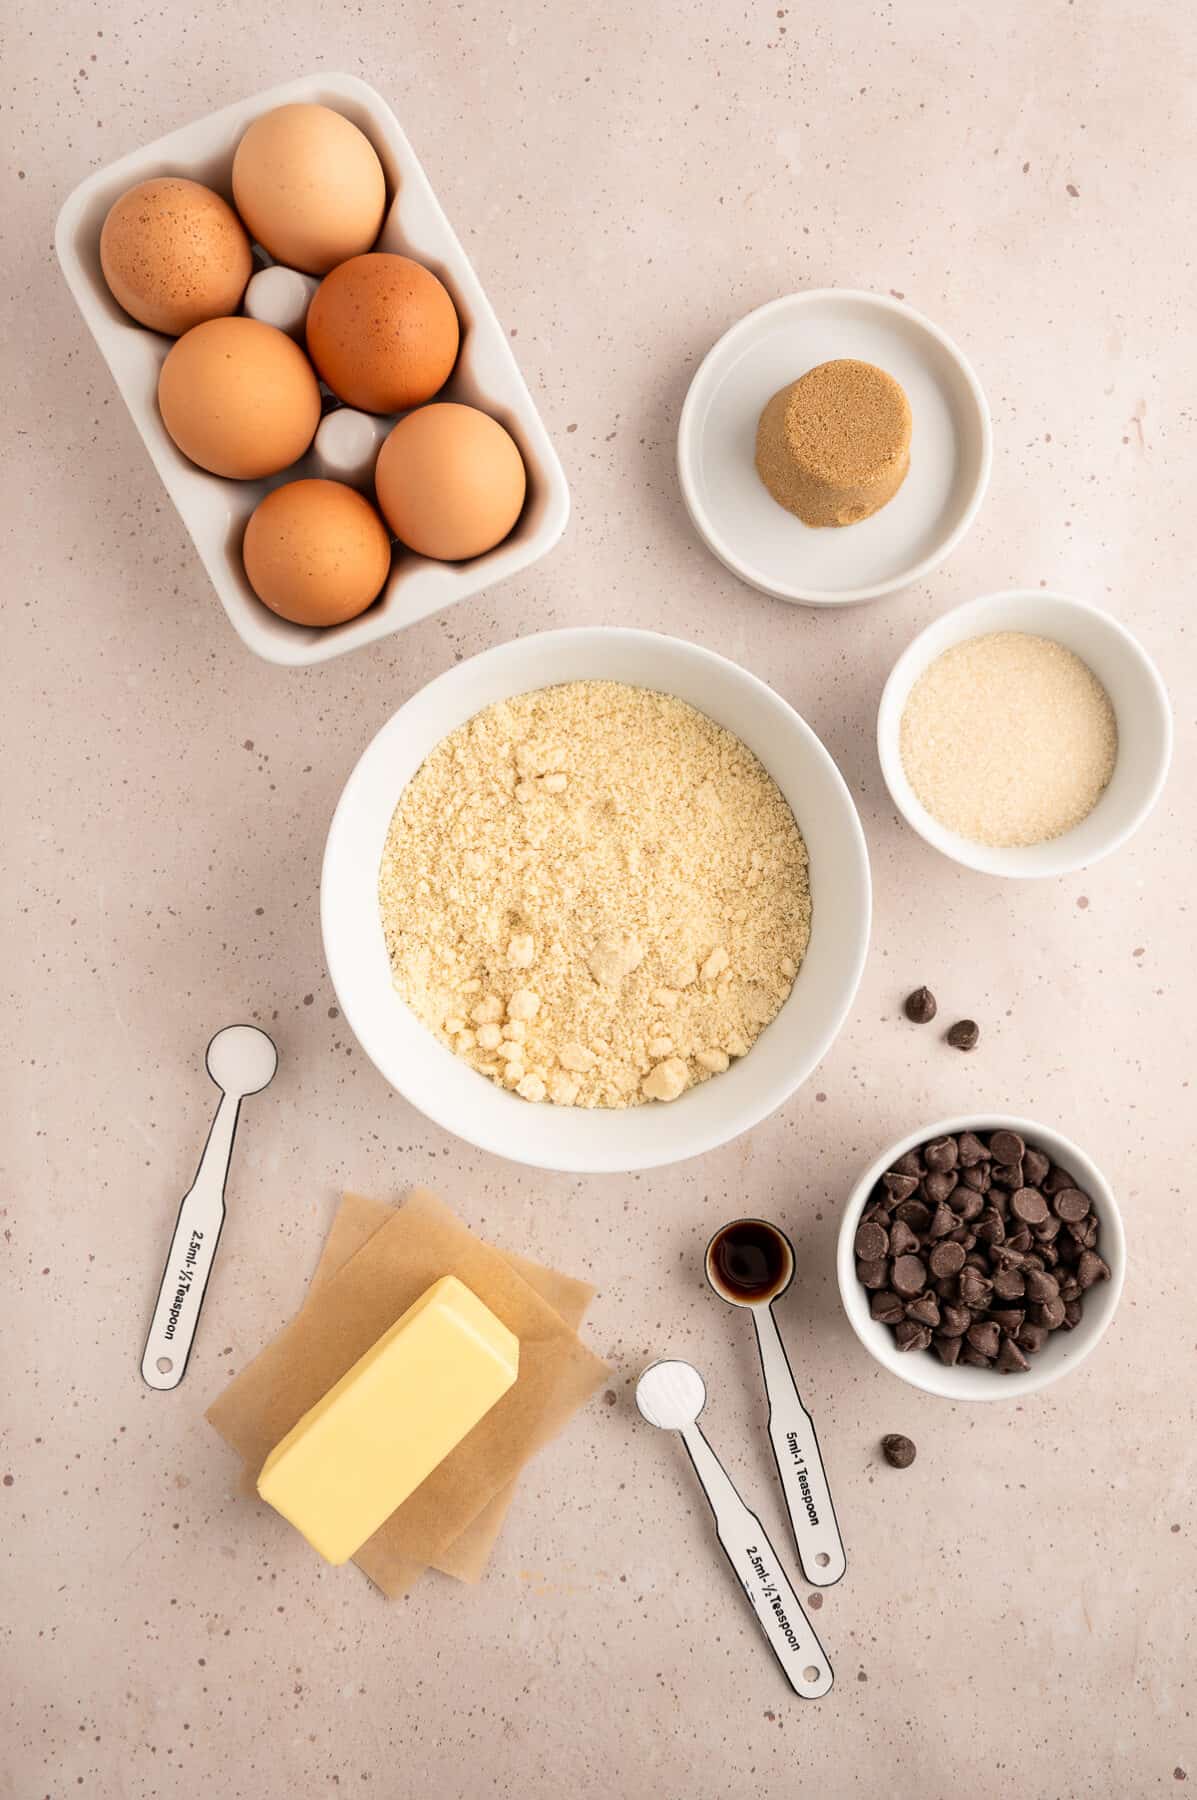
[{"x": 834, "y": 446}]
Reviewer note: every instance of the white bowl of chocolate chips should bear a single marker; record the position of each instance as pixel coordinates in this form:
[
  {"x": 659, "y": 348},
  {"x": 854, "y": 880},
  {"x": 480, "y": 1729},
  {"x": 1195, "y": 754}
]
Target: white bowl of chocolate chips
[{"x": 981, "y": 1258}]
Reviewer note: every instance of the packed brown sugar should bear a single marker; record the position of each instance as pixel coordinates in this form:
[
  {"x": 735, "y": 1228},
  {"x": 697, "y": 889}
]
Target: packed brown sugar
[
  {"x": 834, "y": 446},
  {"x": 595, "y": 895}
]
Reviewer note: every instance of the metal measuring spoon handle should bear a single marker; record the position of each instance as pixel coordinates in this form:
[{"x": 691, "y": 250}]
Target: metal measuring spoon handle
[
  {"x": 792, "y": 1637},
  {"x": 201, "y": 1215},
  {"x": 799, "y": 1461}
]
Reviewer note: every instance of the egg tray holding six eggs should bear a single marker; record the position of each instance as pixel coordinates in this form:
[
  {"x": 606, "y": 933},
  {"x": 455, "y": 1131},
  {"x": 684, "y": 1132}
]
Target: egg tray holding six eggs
[{"x": 216, "y": 510}]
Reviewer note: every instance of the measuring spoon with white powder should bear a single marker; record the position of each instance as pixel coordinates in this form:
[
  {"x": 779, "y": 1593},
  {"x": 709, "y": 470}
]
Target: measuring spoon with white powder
[
  {"x": 750, "y": 1263},
  {"x": 241, "y": 1061},
  {"x": 672, "y": 1395}
]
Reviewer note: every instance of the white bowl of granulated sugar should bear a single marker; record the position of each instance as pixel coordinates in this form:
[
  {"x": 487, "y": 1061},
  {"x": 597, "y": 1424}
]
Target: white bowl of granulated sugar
[
  {"x": 638, "y": 931},
  {"x": 1025, "y": 734}
]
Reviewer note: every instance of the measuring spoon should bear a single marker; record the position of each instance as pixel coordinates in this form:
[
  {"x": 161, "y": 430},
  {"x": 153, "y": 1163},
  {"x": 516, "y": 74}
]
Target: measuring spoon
[
  {"x": 750, "y": 1263},
  {"x": 241, "y": 1060},
  {"x": 672, "y": 1395}
]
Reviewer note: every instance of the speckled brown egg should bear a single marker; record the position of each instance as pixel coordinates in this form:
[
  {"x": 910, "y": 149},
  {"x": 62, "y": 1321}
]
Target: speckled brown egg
[
  {"x": 310, "y": 186},
  {"x": 383, "y": 333},
  {"x": 239, "y": 398},
  {"x": 174, "y": 254},
  {"x": 450, "y": 481},
  {"x": 316, "y": 552}
]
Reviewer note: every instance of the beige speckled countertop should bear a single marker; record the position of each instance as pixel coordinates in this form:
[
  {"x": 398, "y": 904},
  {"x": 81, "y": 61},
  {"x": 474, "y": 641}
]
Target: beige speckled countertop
[{"x": 1018, "y": 1617}]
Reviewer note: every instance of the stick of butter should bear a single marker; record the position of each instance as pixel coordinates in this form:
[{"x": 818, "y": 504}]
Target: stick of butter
[{"x": 391, "y": 1419}]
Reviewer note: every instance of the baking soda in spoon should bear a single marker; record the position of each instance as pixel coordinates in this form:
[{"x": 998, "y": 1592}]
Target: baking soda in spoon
[{"x": 241, "y": 1061}]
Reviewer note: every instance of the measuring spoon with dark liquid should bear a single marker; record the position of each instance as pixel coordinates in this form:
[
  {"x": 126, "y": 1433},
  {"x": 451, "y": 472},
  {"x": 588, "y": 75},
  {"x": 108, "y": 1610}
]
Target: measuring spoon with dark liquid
[{"x": 750, "y": 1263}]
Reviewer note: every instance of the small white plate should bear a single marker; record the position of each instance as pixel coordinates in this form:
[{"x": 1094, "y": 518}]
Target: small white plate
[{"x": 950, "y": 453}]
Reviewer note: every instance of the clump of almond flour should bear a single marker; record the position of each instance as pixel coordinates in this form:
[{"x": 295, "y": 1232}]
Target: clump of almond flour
[{"x": 595, "y": 895}]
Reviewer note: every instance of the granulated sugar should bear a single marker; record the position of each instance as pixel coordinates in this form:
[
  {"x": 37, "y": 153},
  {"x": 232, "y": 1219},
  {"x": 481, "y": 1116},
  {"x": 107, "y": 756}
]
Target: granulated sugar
[
  {"x": 595, "y": 895},
  {"x": 1008, "y": 739}
]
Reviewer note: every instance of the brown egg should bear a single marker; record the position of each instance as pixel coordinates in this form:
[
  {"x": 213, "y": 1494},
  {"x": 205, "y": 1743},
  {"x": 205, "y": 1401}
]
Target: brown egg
[
  {"x": 450, "y": 481},
  {"x": 382, "y": 332},
  {"x": 239, "y": 398},
  {"x": 174, "y": 254},
  {"x": 309, "y": 186},
  {"x": 316, "y": 552}
]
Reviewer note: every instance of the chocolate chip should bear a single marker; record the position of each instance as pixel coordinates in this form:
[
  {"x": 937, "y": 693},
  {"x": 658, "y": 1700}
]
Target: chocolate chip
[
  {"x": 1055, "y": 1179},
  {"x": 1070, "y": 1290},
  {"x": 901, "y": 1239},
  {"x": 972, "y": 1205},
  {"x": 978, "y": 1176},
  {"x": 954, "y": 1321},
  {"x": 872, "y": 1243},
  {"x": 945, "y": 1287},
  {"x": 1049, "y": 1313},
  {"x": 941, "y": 1154},
  {"x": 946, "y": 1348},
  {"x": 909, "y": 1277},
  {"x": 964, "y": 1034},
  {"x": 975, "y": 1290},
  {"x": 1009, "y": 1318},
  {"x": 899, "y": 1186},
  {"x": 872, "y": 1274},
  {"x": 920, "y": 1006},
  {"x": 963, "y": 1236},
  {"x": 1006, "y": 1146},
  {"x": 913, "y": 1213},
  {"x": 990, "y": 1229},
  {"x": 974, "y": 1359},
  {"x": 1028, "y": 1204},
  {"x": 1020, "y": 1239},
  {"x": 1004, "y": 1256},
  {"x": 1009, "y": 1284},
  {"x": 943, "y": 1221},
  {"x": 910, "y": 1335},
  {"x": 1007, "y": 1175},
  {"x": 1032, "y": 1338},
  {"x": 984, "y": 1337},
  {"x": 947, "y": 1259},
  {"x": 924, "y": 1309},
  {"x": 897, "y": 1450},
  {"x": 970, "y": 1149},
  {"x": 1035, "y": 1166},
  {"x": 1072, "y": 1315},
  {"x": 909, "y": 1163},
  {"x": 1042, "y": 1287},
  {"x": 1089, "y": 1269},
  {"x": 1048, "y": 1231},
  {"x": 940, "y": 1184},
  {"x": 1010, "y": 1359},
  {"x": 886, "y": 1308}
]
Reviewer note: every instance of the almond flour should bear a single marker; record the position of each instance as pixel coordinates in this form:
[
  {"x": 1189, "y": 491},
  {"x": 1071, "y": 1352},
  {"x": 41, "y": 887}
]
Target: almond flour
[{"x": 595, "y": 895}]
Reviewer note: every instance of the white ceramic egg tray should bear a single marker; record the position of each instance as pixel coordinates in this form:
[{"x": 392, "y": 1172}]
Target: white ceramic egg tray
[{"x": 214, "y": 510}]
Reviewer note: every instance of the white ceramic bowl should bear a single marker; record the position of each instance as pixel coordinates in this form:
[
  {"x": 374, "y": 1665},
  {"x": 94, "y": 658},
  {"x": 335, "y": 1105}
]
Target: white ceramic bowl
[
  {"x": 1129, "y": 677},
  {"x": 950, "y": 450},
  {"x": 1064, "y": 1350},
  {"x": 215, "y": 511},
  {"x": 556, "y": 1137}
]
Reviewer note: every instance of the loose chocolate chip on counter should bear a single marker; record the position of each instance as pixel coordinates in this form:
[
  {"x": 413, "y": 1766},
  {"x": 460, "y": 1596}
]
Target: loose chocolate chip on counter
[
  {"x": 910, "y": 1335},
  {"x": 941, "y": 1154},
  {"x": 872, "y": 1243},
  {"x": 947, "y": 1259},
  {"x": 887, "y": 1308},
  {"x": 872, "y": 1274},
  {"x": 1028, "y": 1204},
  {"x": 909, "y": 1276},
  {"x": 965, "y": 1034},
  {"x": 1006, "y": 1146},
  {"x": 920, "y": 1006},
  {"x": 899, "y": 1451},
  {"x": 1070, "y": 1204}
]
